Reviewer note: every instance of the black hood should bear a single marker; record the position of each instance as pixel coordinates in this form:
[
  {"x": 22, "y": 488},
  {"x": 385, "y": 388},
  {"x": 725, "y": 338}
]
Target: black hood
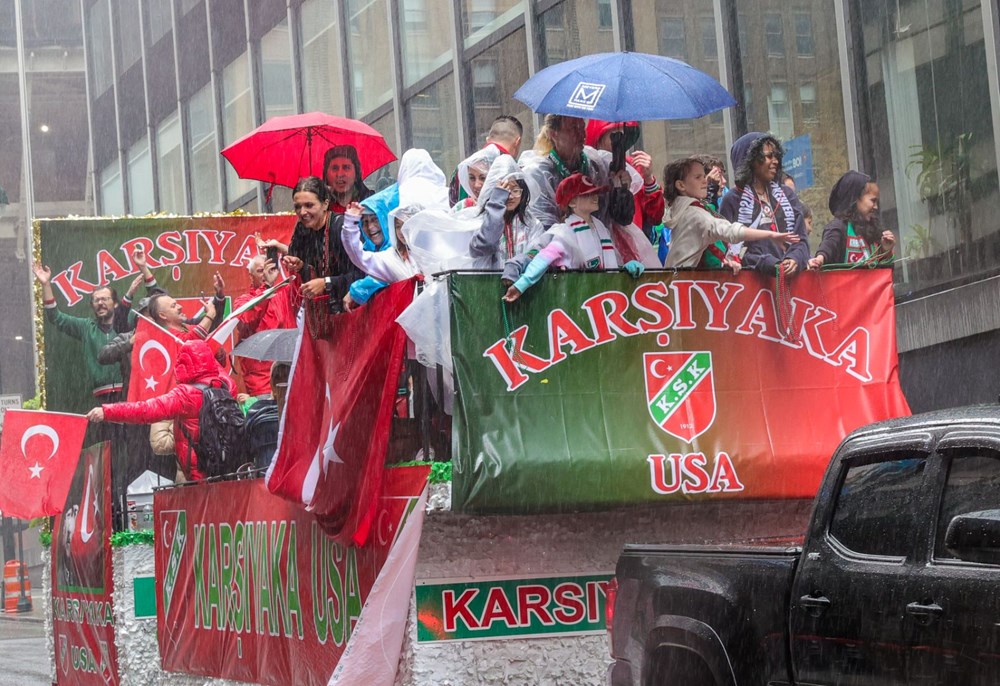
[
  {"x": 745, "y": 150},
  {"x": 846, "y": 192}
]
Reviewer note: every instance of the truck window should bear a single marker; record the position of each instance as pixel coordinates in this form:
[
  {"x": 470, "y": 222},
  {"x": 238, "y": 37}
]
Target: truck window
[
  {"x": 875, "y": 512},
  {"x": 973, "y": 485}
]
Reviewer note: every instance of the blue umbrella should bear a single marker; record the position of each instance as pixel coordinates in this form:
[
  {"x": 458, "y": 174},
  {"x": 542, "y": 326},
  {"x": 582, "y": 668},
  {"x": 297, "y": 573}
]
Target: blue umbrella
[{"x": 624, "y": 86}]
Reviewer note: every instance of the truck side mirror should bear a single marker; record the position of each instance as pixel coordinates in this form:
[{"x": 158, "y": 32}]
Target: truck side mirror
[{"x": 975, "y": 536}]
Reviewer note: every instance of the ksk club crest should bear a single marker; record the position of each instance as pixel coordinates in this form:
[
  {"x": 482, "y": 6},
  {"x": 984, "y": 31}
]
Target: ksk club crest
[{"x": 680, "y": 392}]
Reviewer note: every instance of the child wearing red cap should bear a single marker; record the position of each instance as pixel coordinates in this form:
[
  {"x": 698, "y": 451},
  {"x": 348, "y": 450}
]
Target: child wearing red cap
[{"x": 582, "y": 241}]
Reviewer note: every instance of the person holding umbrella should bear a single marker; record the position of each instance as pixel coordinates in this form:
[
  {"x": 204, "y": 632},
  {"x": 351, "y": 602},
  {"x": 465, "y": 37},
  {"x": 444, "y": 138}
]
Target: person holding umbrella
[
  {"x": 342, "y": 173},
  {"x": 559, "y": 152},
  {"x": 316, "y": 253}
]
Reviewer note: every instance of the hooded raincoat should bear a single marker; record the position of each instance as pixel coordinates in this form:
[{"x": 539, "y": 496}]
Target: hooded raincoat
[
  {"x": 380, "y": 204},
  {"x": 481, "y": 158},
  {"x": 497, "y": 240},
  {"x": 195, "y": 364},
  {"x": 744, "y": 206}
]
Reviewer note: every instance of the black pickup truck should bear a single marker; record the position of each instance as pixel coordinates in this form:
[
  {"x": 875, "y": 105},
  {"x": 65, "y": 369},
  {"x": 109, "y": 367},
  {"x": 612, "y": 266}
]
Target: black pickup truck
[{"x": 897, "y": 580}]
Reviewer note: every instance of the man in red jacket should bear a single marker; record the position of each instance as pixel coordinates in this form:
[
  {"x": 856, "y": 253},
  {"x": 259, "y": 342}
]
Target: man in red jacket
[{"x": 195, "y": 364}]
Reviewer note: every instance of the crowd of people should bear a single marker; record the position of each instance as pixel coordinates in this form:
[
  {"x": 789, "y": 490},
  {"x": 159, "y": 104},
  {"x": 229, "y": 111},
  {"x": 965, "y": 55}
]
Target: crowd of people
[{"x": 573, "y": 201}]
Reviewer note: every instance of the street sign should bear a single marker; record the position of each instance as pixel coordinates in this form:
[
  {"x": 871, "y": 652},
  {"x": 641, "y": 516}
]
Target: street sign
[
  {"x": 798, "y": 161},
  {"x": 8, "y": 402}
]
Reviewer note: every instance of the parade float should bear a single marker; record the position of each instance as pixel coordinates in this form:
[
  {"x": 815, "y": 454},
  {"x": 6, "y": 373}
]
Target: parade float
[{"x": 597, "y": 410}]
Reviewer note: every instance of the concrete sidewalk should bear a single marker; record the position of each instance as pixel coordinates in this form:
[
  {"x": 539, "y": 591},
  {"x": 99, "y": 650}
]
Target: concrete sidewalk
[{"x": 35, "y": 615}]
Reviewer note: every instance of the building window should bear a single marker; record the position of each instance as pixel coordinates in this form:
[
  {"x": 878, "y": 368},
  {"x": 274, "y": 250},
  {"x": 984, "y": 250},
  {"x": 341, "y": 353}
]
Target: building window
[
  {"x": 485, "y": 86},
  {"x": 158, "y": 20},
  {"x": 276, "y": 72},
  {"x": 807, "y": 98},
  {"x": 482, "y": 17},
  {"x": 112, "y": 198},
  {"x": 779, "y": 112},
  {"x": 423, "y": 52},
  {"x": 433, "y": 121},
  {"x": 140, "y": 178},
  {"x": 748, "y": 106},
  {"x": 129, "y": 34},
  {"x": 672, "y": 40},
  {"x": 709, "y": 45},
  {"x": 204, "y": 152},
  {"x": 170, "y": 165},
  {"x": 568, "y": 32},
  {"x": 774, "y": 35},
  {"x": 805, "y": 44},
  {"x": 605, "y": 20},
  {"x": 237, "y": 119},
  {"x": 322, "y": 69},
  {"x": 370, "y": 54},
  {"x": 99, "y": 26}
]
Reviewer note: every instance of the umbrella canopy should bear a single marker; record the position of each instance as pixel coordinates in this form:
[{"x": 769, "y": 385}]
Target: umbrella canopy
[
  {"x": 276, "y": 345},
  {"x": 284, "y": 149},
  {"x": 622, "y": 86}
]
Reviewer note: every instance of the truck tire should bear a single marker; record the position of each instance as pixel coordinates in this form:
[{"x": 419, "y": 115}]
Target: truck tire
[{"x": 669, "y": 666}]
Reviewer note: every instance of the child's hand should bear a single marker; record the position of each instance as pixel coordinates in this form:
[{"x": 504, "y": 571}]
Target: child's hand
[
  {"x": 512, "y": 294},
  {"x": 354, "y": 209},
  {"x": 635, "y": 268},
  {"x": 735, "y": 265},
  {"x": 789, "y": 266},
  {"x": 816, "y": 263},
  {"x": 888, "y": 241},
  {"x": 785, "y": 238}
]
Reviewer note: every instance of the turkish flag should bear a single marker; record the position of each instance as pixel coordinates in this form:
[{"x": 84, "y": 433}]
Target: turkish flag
[
  {"x": 154, "y": 350},
  {"x": 335, "y": 429},
  {"x": 38, "y": 455}
]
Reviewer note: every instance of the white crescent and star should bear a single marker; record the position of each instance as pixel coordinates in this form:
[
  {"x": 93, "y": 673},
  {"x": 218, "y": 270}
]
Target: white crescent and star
[
  {"x": 86, "y": 533},
  {"x": 152, "y": 344},
  {"x": 39, "y": 430},
  {"x": 660, "y": 375},
  {"x": 325, "y": 453}
]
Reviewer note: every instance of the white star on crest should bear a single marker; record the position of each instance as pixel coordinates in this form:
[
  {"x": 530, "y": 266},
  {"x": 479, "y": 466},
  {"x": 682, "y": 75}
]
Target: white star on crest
[
  {"x": 151, "y": 383},
  {"x": 36, "y": 471},
  {"x": 329, "y": 451}
]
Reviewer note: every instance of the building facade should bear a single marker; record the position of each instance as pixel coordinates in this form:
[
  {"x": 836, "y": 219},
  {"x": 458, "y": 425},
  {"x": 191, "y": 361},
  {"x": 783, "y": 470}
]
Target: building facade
[{"x": 906, "y": 90}]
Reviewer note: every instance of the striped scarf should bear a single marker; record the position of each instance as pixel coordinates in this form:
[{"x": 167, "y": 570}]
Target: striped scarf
[{"x": 748, "y": 199}]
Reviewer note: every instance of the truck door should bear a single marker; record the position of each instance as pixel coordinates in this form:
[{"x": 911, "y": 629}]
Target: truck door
[
  {"x": 953, "y": 611},
  {"x": 847, "y": 605}
]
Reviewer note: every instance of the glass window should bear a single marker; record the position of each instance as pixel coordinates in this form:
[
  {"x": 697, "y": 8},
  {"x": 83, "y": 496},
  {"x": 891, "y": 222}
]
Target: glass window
[
  {"x": 433, "y": 120},
  {"x": 128, "y": 33},
  {"x": 370, "y": 54},
  {"x": 99, "y": 26},
  {"x": 779, "y": 112},
  {"x": 570, "y": 29},
  {"x": 807, "y": 99},
  {"x": 237, "y": 118},
  {"x": 973, "y": 486},
  {"x": 204, "y": 152},
  {"x": 672, "y": 41},
  {"x": 876, "y": 508},
  {"x": 496, "y": 74},
  {"x": 805, "y": 46},
  {"x": 482, "y": 17},
  {"x": 933, "y": 143},
  {"x": 693, "y": 41},
  {"x": 322, "y": 72},
  {"x": 112, "y": 197},
  {"x": 59, "y": 136},
  {"x": 422, "y": 54},
  {"x": 140, "y": 178},
  {"x": 773, "y": 88},
  {"x": 709, "y": 44},
  {"x": 386, "y": 176},
  {"x": 774, "y": 35},
  {"x": 158, "y": 19},
  {"x": 170, "y": 165},
  {"x": 276, "y": 72},
  {"x": 605, "y": 17}
]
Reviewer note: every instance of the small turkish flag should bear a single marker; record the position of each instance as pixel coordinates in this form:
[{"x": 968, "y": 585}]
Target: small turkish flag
[
  {"x": 38, "y": 455},
  {"x": 154, "y": 350}
]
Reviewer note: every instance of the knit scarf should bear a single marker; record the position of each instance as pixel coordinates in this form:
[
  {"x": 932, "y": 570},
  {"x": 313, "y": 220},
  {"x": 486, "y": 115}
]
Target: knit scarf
[{"x": 748, "y": 199}]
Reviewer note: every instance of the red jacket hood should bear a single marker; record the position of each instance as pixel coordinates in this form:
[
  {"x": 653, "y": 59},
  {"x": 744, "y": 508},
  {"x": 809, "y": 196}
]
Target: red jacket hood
[
  {"x": 597, "y": 128},
  {"x": 196, "y": 363}
]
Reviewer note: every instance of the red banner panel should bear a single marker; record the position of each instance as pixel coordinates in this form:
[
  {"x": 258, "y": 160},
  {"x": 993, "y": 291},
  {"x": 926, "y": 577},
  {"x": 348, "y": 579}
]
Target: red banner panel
[
  {"x": 83, "y": 621},
  {"x": 249, "y": 587}
]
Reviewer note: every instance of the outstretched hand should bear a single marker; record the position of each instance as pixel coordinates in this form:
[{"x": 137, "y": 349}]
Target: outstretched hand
[
  {"x": 139, "y": 257},
  {"x": 816, "y": 263},
  {"x": 134, "y": 286},
  {"x": 219, "y": 284},
  {"x": 293, "y": 264},
  {"x": 512, "y": 294},
  {"x": 42, "y": 273},
  {"x": 354, "y": 209},
  {"x": 96, "y": 415},
  {"x": 786, "y": 238},
  {"x": 643, "y": 164}
]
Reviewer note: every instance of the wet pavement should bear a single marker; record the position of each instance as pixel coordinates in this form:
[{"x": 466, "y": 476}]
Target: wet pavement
[{"x": 23, "y": 659}]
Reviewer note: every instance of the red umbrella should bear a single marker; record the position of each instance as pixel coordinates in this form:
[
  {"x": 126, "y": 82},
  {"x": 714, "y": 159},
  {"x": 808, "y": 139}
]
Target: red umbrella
[{"x": 284, "y": 149}]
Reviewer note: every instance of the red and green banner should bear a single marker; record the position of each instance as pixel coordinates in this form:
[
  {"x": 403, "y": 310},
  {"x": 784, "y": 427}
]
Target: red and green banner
[
  {"x": 595, "y": 390},
  {"x": 82, "y": 616},
  {"x": 183, "y": 253},
  {"x": 511, "y": 607},
  {"x": 250, "y": 588}
]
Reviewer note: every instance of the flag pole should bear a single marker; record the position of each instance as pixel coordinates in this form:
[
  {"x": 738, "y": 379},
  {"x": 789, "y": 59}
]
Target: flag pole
[{"x": 23, "y": 603}]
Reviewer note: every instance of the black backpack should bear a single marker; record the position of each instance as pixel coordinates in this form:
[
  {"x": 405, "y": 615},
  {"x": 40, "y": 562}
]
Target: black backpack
[{"x": 221, "y": 448}]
